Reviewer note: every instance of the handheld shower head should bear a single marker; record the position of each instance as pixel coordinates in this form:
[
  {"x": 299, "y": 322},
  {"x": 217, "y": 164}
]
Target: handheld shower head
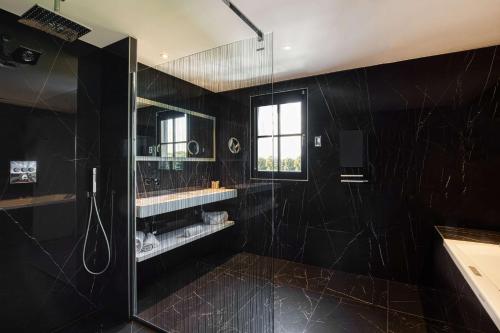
[
  {"x": 52, "y": 22},
  {"x": 93, "y": 206},
  {"x": 94, "y": 180}
]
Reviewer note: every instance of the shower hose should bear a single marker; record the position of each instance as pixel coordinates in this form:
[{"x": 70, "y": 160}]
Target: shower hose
[{"x": 93, "y": 204}]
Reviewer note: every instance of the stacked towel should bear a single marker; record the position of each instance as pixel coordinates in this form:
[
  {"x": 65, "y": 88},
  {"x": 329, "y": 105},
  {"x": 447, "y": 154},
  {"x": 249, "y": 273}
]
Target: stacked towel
[
  {"x": 214, "y": 217},
  {"x": 193, "y": 231},
  {"x": 150, "y": 243},
  {"x": 139, "y": 241}
]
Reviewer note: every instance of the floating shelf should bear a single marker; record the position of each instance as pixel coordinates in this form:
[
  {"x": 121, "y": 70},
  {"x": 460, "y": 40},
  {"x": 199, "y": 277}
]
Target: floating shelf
[
  {"x": 161, "y": 204},
  {"x": 42, "y": 200},
  {"x": 174, "y": 239}
]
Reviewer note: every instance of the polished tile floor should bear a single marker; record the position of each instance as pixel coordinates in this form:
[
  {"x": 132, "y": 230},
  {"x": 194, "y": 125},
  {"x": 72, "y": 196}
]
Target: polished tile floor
[{"x": 250, "y": 293}]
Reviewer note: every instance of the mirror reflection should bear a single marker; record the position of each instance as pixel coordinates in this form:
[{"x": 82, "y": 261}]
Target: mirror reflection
[{"x": 169, "y": 133}]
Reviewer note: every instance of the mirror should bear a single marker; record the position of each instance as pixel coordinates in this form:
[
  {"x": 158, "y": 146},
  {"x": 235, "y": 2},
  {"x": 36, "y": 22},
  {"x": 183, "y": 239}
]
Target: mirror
[{"x": 170, "y": 133}]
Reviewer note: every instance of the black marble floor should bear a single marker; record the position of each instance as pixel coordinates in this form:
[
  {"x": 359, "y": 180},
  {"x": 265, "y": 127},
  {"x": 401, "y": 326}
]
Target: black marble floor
[{"x": 250, "y": 293}]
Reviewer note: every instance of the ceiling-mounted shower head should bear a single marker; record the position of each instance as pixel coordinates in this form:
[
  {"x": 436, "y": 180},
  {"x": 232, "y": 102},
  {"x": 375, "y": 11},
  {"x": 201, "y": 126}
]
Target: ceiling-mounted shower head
[{"x": 53, "y": 23}]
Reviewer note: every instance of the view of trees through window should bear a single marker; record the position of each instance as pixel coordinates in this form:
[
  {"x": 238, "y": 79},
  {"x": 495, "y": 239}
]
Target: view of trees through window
[
  {"x": 287, "y": 164},
  {"x": 279, "y": 137}
]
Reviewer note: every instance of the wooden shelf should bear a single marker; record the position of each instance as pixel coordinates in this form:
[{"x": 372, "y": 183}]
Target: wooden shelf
[
  {"x": 161, "y": 204},
  {"x": 174, "y": 239},
  {"x": 42, "y": 200}
]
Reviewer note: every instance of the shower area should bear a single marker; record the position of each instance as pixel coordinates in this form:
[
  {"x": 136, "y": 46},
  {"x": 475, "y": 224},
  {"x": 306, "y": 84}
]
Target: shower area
[{"x": 204, "y": 223}]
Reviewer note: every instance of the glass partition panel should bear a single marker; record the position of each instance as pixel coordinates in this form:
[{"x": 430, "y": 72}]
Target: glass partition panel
[{"x": 204, "y": 228}]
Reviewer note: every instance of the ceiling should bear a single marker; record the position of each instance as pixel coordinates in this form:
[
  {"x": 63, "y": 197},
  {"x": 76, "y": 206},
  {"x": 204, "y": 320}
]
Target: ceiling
[{"x": 320, "y": 36}]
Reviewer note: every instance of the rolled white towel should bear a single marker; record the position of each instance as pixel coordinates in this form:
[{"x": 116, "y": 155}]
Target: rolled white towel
[
  {"x": 214, "y": 217},
  {"x": 193, "y": 231},
  {"x": 139, "y": 241},
  {"x": 150, "y": 242}
]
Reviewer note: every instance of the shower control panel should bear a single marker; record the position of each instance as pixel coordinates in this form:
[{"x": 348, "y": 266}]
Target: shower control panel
[{"x": 22, "y": 172}]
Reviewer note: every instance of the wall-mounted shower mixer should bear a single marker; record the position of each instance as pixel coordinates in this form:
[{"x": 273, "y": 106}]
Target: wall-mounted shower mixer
[{"x": 93, "y": 204}]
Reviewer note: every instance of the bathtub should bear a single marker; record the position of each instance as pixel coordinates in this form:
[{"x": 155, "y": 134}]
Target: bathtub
[{"x": 479, "y": 263}]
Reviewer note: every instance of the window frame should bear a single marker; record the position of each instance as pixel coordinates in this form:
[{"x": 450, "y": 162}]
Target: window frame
[{"x": 278, "y": 98}]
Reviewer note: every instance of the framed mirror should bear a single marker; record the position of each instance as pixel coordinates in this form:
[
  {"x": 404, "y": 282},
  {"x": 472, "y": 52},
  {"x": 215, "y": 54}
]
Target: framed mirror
[{"x": 170, "y": 133}]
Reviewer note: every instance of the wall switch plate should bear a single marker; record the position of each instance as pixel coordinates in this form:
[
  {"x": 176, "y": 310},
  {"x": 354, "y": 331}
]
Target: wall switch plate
[
  {"x": 317, "y": 141},
  {"x": 22, "y": 172}
]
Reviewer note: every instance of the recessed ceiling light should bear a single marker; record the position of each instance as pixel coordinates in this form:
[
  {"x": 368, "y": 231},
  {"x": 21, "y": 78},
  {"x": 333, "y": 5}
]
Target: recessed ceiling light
[
  {"x": 164, "y": 55},
  {"x": 287, "y": 48}
]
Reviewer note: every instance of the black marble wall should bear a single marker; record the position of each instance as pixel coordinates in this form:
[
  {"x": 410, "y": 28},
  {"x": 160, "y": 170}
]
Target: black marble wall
[
  {"x": 51, "y": 113},
  {"x": 432, "y": 129},
  {"x": 117, "y": 172}
]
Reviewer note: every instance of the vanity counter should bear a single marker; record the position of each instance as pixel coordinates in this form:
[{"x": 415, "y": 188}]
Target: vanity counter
[{"x": 160, "y": 204}]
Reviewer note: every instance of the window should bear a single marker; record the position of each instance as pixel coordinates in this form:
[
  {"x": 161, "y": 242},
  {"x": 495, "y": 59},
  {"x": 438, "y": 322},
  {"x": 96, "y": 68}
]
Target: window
[
  {"x": 173, "y": 134},
  {"x": 279, "y": 135}
]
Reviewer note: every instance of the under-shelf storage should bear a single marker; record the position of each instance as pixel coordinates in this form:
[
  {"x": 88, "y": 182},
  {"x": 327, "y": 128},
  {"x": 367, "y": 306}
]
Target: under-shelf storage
[
  {"x": 161, "y": 204},
  {"x": 177, "y": 238}
]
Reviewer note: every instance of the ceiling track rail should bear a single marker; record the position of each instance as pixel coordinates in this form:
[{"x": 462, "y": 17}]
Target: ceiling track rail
[{"x": 245, "y": 19}]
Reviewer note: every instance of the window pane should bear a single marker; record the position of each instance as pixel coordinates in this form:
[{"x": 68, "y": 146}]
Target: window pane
[
  {"x": 170, "y": 130},
  {"x": 291, "y": 118},
  {"x": 180, "y": 150},
  {"x": 163, "y": 131},
  {"x": 180, "y": 129},
  {"x": 267, "y": 120},
  {"x": 166, "y": 131},
  {"x": 167, "y": 150},
  {"x": 267, "y": 154},
  {"x": 291, "y": 151}
]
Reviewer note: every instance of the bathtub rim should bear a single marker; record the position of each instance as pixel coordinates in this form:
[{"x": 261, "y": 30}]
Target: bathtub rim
[{"x": 483, "y": 288}]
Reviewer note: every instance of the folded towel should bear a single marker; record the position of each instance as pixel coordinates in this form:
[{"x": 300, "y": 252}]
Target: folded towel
[
  {"x": 192, "y": 231},
  {"x": 214, "y": 217},
  {"x": 139, "y": 241},
  {"x": 150, "y": 242}
]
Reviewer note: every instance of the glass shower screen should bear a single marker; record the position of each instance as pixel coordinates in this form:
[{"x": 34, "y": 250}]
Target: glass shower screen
[{"x": 204, "y": 225}]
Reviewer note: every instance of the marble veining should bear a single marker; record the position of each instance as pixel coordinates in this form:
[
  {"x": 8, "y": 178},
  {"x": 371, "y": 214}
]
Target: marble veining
[
  {"x": 431, "y": 125},
  {"x": 250, "y": 293},
  {"x": 52, "y": 118},
  {"x": 469, "y": 235}
]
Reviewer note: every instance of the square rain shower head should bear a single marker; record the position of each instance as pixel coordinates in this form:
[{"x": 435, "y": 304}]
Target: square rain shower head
[{"x": 53, "y": 23}]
